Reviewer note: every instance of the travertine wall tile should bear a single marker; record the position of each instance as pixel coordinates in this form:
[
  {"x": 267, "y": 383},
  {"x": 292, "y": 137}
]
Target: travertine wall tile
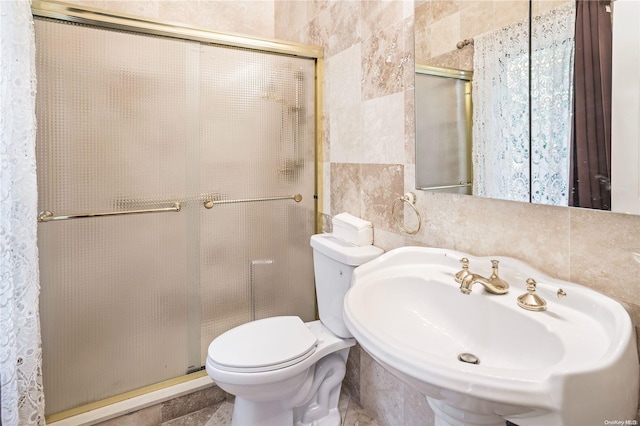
[
  {"x": 410, "y": 178},
  {"x": 442, "y": 24},
  {"x": 510, "y": 11},
  {"x": 327, "y": 225},
  {"x": 422, "y": 23},
  {"x": 345, "y": 189},
  {"x": 222, "y": 16},
  {"x": 345, "y": 28},
  {"x": 347, "y": 142},
  {"x": 380, "y": 184},
  {"x": 146, "y": 8},
  {"x": 344, "y": 95},
  {"x": 444, "y": 9},
  {"x": 319, "y": 30},
  {"x": 357, "y": 416},
  {"x": 465, "y": 58},
  {"x": 477, "y": 18},
  {"x": 497, "y": 228},
  {"x": 444, "y": 219},
  {"x": 448, "y": 34},
  {"x": 382, "y": 133},
  {"x": 325, "y": 205},
  {"x": 344, "y": 77},
  {"x": 601, "y": 252},
  {"x": 316, "y": 7},
  {"x": 416, "y": 410},
  {"x": 446, "y": 60},
  {"x": 634, "y": 311},
  {"x": 254, "y": 18},
  {"x": 408, "y": 55},
  {"x": 381, "y": 394},
  {"x": 388, "y": 240},
  {"x": 409, "y": 128},
  {"x": 143, "y": 8},
  {"x": 377, "y": 14},
  {"x": 351, "y": 382},
  {"x": 382, "y": 62},
  {"x": 290, "y": 18}
]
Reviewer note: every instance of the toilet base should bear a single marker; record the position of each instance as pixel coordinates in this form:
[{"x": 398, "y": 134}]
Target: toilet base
[
  {"x": 321, "y": 403},
  {"x": 331, "y": 419},
  {"x": 268, "y": 413},
  {"x": 251, "y": 413},
  {"x": 315, "y": 403}
]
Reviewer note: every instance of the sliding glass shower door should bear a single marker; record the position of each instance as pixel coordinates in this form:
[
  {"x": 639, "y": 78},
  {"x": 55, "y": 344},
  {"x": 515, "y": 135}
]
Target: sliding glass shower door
[{"x": 200, "y": 150}]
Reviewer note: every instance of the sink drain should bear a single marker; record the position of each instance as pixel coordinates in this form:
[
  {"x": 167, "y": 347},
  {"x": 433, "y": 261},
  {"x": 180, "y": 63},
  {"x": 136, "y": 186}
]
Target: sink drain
[{"x": 468, "y": 358}]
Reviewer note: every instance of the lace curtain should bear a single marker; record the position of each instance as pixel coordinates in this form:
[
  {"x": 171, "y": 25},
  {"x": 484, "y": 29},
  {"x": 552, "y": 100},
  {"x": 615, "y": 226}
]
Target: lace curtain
[
  {"x": 507, "y": 163},
  {"x": 21, "y": 393}
]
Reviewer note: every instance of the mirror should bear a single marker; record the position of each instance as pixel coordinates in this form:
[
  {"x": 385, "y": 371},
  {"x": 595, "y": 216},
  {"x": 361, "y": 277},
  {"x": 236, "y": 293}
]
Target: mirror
[{"x": 551, "y": 151}]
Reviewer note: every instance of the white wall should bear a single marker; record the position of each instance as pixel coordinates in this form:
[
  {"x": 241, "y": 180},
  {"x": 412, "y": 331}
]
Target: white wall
[{"x": 625, "y": 108}]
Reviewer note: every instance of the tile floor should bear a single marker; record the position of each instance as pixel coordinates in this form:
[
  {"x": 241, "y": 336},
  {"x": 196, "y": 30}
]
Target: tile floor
[{"x": 220, "y": 415}]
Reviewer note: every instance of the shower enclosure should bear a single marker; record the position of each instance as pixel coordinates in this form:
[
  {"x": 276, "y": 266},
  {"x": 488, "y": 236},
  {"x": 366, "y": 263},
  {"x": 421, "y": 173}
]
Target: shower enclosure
[
  {"x": 177, "y": 188},
  {"x": 443, "y": 129}
]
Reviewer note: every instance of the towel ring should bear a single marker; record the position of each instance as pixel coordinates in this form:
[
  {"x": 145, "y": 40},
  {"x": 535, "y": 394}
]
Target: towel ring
[{"x": 409, "y": 198}]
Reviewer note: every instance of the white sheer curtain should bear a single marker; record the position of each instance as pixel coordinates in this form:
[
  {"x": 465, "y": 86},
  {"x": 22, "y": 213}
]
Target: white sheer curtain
[
  {"x": 553, "y": 46},
  {"x": 502, "y": 154},
  {"x": 22, "y": 400}
]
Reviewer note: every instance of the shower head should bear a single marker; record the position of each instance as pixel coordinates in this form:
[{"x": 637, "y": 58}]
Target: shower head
[
  {"x": 284, "y": 86},
  {"x": 272, "y": 96}
]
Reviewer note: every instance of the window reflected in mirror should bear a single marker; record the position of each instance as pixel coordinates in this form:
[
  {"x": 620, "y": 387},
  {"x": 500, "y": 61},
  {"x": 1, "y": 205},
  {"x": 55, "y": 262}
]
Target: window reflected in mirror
[{"x": 541, "y": 105}]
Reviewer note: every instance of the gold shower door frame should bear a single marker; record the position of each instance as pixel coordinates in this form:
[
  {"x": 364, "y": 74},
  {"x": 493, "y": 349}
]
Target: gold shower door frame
[{"x": 103, "y": 19}]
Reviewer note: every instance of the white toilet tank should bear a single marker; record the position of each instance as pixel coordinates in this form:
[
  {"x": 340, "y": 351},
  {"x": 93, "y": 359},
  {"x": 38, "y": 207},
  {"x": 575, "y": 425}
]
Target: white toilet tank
[{"x": 334, "y": 261}]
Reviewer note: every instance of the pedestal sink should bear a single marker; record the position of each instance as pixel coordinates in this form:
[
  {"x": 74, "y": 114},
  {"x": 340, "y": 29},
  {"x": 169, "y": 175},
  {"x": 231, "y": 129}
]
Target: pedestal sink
[{"x": 575, "y": 364}]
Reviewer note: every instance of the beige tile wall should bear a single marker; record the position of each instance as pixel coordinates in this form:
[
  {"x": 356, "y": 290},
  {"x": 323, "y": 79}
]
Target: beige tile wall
[
  {"x": 369, "y": 143},
  {"x": 440, "y": 25},
  {"x": 364, "y": 174},
  {"x": 244, "y": 17}
]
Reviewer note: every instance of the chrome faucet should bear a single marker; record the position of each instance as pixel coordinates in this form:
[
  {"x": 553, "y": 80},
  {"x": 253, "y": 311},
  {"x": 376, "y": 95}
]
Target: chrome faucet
[{"x": 494, "y": 284}]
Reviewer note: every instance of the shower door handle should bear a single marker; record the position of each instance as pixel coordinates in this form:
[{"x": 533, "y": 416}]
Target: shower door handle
[
  {"x": 47, "y": 216},
  {"x": 210, "y": 203}
]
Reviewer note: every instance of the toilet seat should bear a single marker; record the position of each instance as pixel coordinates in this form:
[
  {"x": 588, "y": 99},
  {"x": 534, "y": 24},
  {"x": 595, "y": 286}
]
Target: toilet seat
[{"x": 263, "y": 345}]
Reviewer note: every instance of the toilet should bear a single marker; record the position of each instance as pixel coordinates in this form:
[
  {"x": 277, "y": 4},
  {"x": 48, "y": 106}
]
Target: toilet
[{"x": 283, "y": 371}]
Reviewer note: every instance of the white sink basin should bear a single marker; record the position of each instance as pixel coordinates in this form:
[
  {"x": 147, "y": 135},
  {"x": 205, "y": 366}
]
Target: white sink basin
[{"x": 574, "y": 364}]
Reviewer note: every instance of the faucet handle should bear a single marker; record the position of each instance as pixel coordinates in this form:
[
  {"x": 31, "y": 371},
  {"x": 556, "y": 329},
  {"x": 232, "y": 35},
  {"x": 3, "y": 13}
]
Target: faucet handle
[
  {"x": 531, "y": 285},
  {"x": 494, "y": 268},
  {"x": 464, "y": 271},
  {"x": 495, "y": 279},
  {"x": 530, "y": 300}
]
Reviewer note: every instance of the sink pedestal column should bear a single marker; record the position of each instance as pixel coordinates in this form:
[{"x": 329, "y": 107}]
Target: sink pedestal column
[{"x": 447, "y": 415}]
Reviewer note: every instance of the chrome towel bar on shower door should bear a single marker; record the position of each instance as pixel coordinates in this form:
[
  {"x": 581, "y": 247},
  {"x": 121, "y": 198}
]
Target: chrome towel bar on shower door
[
  {"x": 210, "y": 203},
  {"x": 47, "y": 216}
]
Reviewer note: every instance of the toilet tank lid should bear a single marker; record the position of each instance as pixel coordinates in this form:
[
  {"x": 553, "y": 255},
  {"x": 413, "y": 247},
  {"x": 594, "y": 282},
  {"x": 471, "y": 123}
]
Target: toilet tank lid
[
  {"x": 264, "y": 343},
  {"x": 344, "y": 252}
]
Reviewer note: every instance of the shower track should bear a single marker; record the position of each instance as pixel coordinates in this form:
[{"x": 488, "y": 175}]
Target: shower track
[{"x": 47, "y": 216}]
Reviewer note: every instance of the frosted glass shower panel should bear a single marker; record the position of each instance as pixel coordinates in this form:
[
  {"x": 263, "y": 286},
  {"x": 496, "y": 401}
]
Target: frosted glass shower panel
[
  {"x": 113, "y": 121},
  {"x": 443, "y": 133},
  {"x": 131, "y": 122},
  {"x": 257, "y": 141}
]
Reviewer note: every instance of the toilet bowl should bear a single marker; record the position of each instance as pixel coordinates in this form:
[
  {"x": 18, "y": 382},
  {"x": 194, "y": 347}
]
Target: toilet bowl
[{"x": 283, "y": 371}]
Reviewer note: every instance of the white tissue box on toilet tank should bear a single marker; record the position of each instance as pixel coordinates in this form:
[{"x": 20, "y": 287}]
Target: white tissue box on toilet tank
[{"x": 352, "y": 229}]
